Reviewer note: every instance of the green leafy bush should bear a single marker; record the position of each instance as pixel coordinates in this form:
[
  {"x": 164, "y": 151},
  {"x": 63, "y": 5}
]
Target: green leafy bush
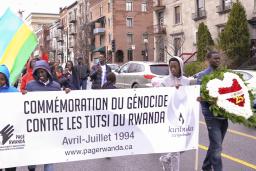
[{"x": 192, "y": 68}]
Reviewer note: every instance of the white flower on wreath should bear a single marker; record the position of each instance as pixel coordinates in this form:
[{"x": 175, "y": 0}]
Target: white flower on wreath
[{"x": 213, "y": 88}]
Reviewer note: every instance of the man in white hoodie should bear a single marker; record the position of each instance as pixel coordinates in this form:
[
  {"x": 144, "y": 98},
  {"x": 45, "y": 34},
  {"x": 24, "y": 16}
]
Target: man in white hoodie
[{"x": 171, "y": 161}]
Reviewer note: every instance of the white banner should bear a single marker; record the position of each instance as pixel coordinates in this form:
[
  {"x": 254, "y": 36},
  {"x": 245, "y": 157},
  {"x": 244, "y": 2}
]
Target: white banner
[{"x": 52, "y": 127}]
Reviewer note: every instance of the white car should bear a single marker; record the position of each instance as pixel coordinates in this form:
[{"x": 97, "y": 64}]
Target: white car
[
  {"x": 250, "y": 78},
  {"x": 138, "y": 74},
  {"x": 113, "y": 67}
]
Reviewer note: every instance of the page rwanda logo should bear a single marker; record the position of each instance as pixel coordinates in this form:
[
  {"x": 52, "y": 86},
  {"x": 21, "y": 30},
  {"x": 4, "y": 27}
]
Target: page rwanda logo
[{"x": 6, "y": 133}]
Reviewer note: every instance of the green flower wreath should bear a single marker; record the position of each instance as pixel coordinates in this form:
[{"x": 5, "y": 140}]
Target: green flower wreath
[{"x": 218, "y": 111}]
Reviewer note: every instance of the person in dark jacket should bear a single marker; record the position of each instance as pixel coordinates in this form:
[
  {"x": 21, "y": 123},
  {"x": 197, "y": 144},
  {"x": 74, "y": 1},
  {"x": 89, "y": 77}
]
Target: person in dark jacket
[
  {"x": 111, "y": 80},
  {"x": 82, "y": 72},
  {"x": 5, "y": 87},
  {"x": 70, "y": 78},
  {"x": 217, "y": 126},
  {"x": 43, "y": 81},
  {"x": 99, "y": 73}
]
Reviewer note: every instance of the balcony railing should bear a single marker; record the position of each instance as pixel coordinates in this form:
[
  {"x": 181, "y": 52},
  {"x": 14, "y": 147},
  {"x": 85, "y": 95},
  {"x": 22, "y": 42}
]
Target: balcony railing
[
  {"x": 224, "y": 8},
  {"x": 159, "y": 29},
  {"x": 200, "y": 14},
  {"x": 99, "y": 31},
  {"x": 158, "y": 5}
]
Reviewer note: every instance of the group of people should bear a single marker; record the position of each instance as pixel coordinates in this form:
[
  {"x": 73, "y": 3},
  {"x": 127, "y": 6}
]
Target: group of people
[
  {"x": 41, "y": 77},
  {"x": 216, "y": 126}
]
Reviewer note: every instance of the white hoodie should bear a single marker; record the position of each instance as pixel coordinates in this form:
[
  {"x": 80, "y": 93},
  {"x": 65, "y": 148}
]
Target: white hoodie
[{"x": 171, "y": 81}]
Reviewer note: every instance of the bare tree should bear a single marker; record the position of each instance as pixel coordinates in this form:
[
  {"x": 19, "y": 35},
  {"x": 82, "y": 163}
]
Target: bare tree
[{"x": 81, "y": 46}]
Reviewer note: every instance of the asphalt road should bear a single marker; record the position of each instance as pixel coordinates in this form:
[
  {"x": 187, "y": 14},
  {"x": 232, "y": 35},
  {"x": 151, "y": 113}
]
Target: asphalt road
[{"x": 239, "y": 150}]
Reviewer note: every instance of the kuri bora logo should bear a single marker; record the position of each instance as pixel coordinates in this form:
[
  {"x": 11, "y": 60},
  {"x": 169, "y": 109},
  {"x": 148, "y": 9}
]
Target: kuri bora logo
[{"x": 181, "y": 119}]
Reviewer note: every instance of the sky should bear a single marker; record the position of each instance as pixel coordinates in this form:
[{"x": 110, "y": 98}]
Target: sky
[{"x": 28, "y": 6}]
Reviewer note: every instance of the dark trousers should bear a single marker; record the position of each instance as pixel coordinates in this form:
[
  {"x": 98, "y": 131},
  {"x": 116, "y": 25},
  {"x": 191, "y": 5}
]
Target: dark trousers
[
  {"x": 10, "y": 169},
  {"x": 217, "y": 129}
]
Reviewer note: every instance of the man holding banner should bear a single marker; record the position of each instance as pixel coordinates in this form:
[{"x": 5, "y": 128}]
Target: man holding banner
[
  {"x": 43, "y": 81},
  {"x": 175, "y": 79}
]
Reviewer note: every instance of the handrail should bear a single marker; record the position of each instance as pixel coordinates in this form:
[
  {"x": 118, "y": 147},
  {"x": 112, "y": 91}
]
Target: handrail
[{"x": 191, "y": 55}]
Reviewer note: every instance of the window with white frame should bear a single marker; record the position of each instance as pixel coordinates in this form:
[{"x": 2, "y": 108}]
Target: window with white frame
[
  {"x": 129, "y": 22},
  {"x": 130, "y": 54},
  {"x": 129, "y": 5},
  {"x": 144, "y": 7},
  {"x": 200, "y": 5},
  {"x": 101, "y": 10},
  {"x": 177, "y": 15},
  {"x": 226, "y": 4},
  {"x": 130, "y": 38}
]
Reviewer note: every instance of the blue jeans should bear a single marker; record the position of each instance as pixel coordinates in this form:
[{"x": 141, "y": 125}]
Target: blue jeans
[
  {"x": 217, "y": 129},
  {"x": 83, "y": 84}
]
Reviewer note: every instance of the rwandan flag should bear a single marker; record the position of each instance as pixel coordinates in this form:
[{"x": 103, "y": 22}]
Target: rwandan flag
[{"x": 17, "y": 42}]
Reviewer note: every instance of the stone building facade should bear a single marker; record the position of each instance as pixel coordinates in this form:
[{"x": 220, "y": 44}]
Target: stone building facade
[{"x": 177, "y": 22}]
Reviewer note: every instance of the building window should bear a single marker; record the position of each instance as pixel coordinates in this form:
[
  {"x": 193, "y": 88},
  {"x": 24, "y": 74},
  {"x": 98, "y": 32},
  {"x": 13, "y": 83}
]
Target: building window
[
  {"x": 109, "y": 7},
  {"x": 226, "y": 4},
  {"x": 129, "y": 22},
  {"x": 109, "y": 22},
  {"x": 200, "y": 5},
  {"x": 130, "y": 54},
  {"x": 130, "y": 38},
  {"x": 144, "y": 7},
  {"x": 109, "y": 38},
  {"x": 101, "y": 40},
  {"x": 80, "y": 8},
  {"x": 129, "y": 6},
  {"x": 177, "y": 15},
  {"x": 177, "y": 46},
  {"x": 101, "y": 10},
  {"x": 160, "y": 18},
  {"x": 90, "y": 15}
]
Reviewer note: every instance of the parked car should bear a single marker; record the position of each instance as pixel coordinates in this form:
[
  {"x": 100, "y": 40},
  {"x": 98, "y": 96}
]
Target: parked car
[
  {"x": 113, "y": 67},
  {"x": 250, "y": 78},
  {"x": 138, "y": 74}
]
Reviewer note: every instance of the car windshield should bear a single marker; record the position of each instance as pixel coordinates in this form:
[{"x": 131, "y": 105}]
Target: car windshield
[{"x": 159, "y": 69}]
